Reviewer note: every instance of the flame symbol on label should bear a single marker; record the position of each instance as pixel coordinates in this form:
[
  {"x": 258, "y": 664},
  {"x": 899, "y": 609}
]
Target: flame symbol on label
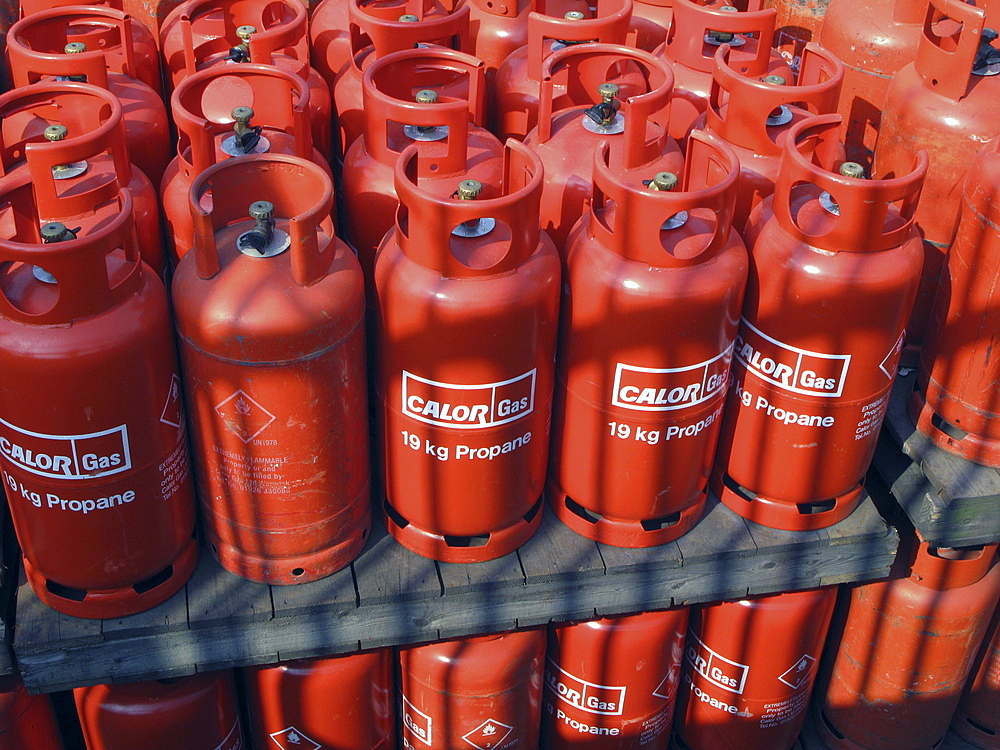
[
  {"x": 244, "y": 408},
  {"x": 489, "y": 729},
  {"x": 292, "y": 736}
]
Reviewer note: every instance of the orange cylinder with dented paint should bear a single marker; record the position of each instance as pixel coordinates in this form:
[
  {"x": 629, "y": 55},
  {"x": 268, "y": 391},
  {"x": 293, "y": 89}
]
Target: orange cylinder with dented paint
[
  {"x": 797, "y": 23},
  {"x": 834, "y": 267},
  {"x": 27, "y": 722},
  {"x": 977, "y": 719},
  {"x": 483, "y": 692},
  {"x": 612, "y": 683},
  {"x": 651, "y": 299}
]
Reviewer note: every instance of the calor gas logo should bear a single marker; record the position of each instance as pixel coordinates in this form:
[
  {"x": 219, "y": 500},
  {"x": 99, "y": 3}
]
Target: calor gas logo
[
  {"x": 608, "y": 700},
  {"x": 726, "y": 673},
  {"x": 789, "y": 367},
  {"x": 87, "y": 456},
  {"x": 670, "y": 389},
  {"x": 464, "y": 407}
]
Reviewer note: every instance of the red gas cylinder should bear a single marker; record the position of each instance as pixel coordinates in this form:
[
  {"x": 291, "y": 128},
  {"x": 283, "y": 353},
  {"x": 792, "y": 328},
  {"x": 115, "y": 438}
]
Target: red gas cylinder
[
  {"x": 445, "y": 129},
  {"x": 227, "y": 113},
  {"x": 948, "y": 103},
  {"x": 698, "y": 30},
  {"x": 651, "y": 300},
  {"x": 481, "y": 692},
  {"x": 466, "y": 401},
  {"x": 650, "y": 22},
  {"x": 195, "y": 713},
  {"x": 904, "y": 651},
  {"x": 873, "y": 39},
  {"x": 520, "y": 78},
  {"x": 752, "y": 114},
  {"x": 977, "y": 719},
  {"x": 798, "y": 23},
  {"x": 955, "y": 402},
  {"x": 615, "y": 678},
  {"x": 97, "y": 481},
  {"x": 749, "y": 667},
  {"x": 70, "y": 137},
  {"x": 629, "y": 113},
  {"x": 34, "y": 53},
  {"x": 345, "y": 702},
  {"x": 277, "y": 397},
  {"x": 829, "y": 254},
  {"x": 27, "y": 722}
]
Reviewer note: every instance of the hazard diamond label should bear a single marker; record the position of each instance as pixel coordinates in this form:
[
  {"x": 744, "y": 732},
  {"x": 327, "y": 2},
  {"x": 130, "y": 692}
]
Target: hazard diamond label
[
  {"x": 667, "y": 688},
  {"x": 244, "y": 417},
  {"x": 891, "y": 361},
  {"x": 796, "y": 676},
  {"x": 488, "y": 735},
  {"x": 293, "y": 739},
  {"x": 171, "y": 414}
]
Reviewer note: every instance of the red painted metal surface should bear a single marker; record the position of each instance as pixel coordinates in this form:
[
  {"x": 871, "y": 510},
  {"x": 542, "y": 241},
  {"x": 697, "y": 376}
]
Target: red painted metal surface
[
  {"x": 195, "y": 713},
  {"x": 977, "y": 718},
  {"x": 939, "y": 103},
  {"x": 447, "y": 133},
  {"x": 345, "y": 702},
  {"x": 30, "y": 45},
  {"x": 752, "y": 116},
  {"x": 612, "y": 683},
  {"x": 905, "y": 650},
  {"x": 955, "y": 403},
  {"x": 649, "y": 319},
  {"x": 92, "y": 444},
  {"x": 480, "y": 692},
  {"x": 77, "y": 178},
  {"x": 466, "y": 335},
  {"x": 698, "y": 30},
  {"x": 202, "y": 106},
  {"x": 27, "y": 722},
  {"x": 519, "y": 79},
  {"x": 749, "y": 668},
  {"x": 798, "y": 22},
  {"x": 834, "y": 266},
  {"x": 276, "y": 393},
  {"x": 566, "y": 137},
  {"x": 650, "y": 21}
]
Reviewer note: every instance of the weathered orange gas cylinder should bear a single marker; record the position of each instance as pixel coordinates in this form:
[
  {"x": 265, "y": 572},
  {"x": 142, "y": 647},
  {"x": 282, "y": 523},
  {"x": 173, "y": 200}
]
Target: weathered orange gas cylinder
[
  {"x": 483, "y": 692},
  {"x": 520, "y": 78},
  {"x": 955, "y": 402},
  {"x": 905, "y": 649},
  {"x": 830, "y": 252},
  {"x": 227, "y": 113},
  {"x": 798, "y": 22},
  {"x": 199, "y": 712},
  {"x": 947, "y": 102},
  {"x": 275, "y": 391},
  {"x": 613, "y": 678},
  {"x": 650, "y": 22},
  {"x": 698, "y": 30},
  {"x": 651, "y": 301},
  {"x": 71, "y": 138},
  {"x": 27, "y": 722},
  {"x": 749, "y": 668},
  {"x": 873, "y": 39},
  {"x": 98, "y": 481},
  {"x": 629, "y": 113},
  {"x": 344, "y": 702},
  {"x": 467, "y": 313},
  {"x": 147, "y": 128},
  {"x": 977, "y": 719},
  {"x": 446, "y": 130},
  {"x": 752, "y": 115}
]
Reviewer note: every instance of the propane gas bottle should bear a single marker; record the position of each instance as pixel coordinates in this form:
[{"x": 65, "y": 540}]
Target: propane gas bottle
[
  {"x": 344, "y": 702},
  {"x": 650, "y": 22},
  {"x": 629, "y": 114},
  {"x": 97, "y": 480},
  {"x": 651, "y": 300},
  {"x": 483, "y": 691},
  {"x": 70, "y": 137},
  {"x": 947, "y": 101},
  {"x": 518, "y": 83},
  {"x": 977, "y": 719},
  {"x": 467, "y": 311},
  {"x": 446, "y": 130},
  {"x": 199, "y": 712},
  {"x": 749, "y": 668},
  {"x": 698, "y": 31},
  {"x": 27, "y": 722},
  {"x": 955, "y": 402},
  {"x": 905, "y": 649},
  {"x": 798, "y": 22},
  {"x": 270, "y": 317},
  {"x": 830, "y": 253},
  {"x": 752, "y": 115},
  {"x": 614, "y": 678}
]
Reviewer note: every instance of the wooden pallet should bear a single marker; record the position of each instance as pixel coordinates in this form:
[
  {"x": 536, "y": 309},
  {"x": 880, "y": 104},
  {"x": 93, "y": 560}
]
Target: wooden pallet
[
  {"x": 950, "y": 501},
  {"x": 9, "y": 559},
  {"x": 390, "y": 596}
]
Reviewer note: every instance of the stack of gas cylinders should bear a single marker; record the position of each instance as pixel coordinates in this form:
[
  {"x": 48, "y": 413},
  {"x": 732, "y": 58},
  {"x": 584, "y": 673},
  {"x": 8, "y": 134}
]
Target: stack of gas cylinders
[{"x": 607, "y": 256}]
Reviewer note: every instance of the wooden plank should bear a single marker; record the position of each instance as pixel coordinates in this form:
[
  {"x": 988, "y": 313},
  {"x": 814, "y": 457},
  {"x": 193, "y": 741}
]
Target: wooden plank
[
  {"x": 215, "y": 596},
  {"x": 171, "y": 615},
  {"x": 337, "y": 591},
  {"x": 37, "y": 626},
  {"x": 387, "y": 571},
  {"x": 557, "y": 554}
]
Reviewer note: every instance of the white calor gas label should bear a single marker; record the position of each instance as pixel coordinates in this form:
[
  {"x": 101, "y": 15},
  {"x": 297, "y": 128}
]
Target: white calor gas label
[
  {"x": 87, "y": 456},
  {"x": 717, "y": 669},
  {"x": 608, "y": 700},
  {"x": 789, "y": 367},
  {"x": 670, "y": 389},
  {"x": 467, "y": 407}
]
